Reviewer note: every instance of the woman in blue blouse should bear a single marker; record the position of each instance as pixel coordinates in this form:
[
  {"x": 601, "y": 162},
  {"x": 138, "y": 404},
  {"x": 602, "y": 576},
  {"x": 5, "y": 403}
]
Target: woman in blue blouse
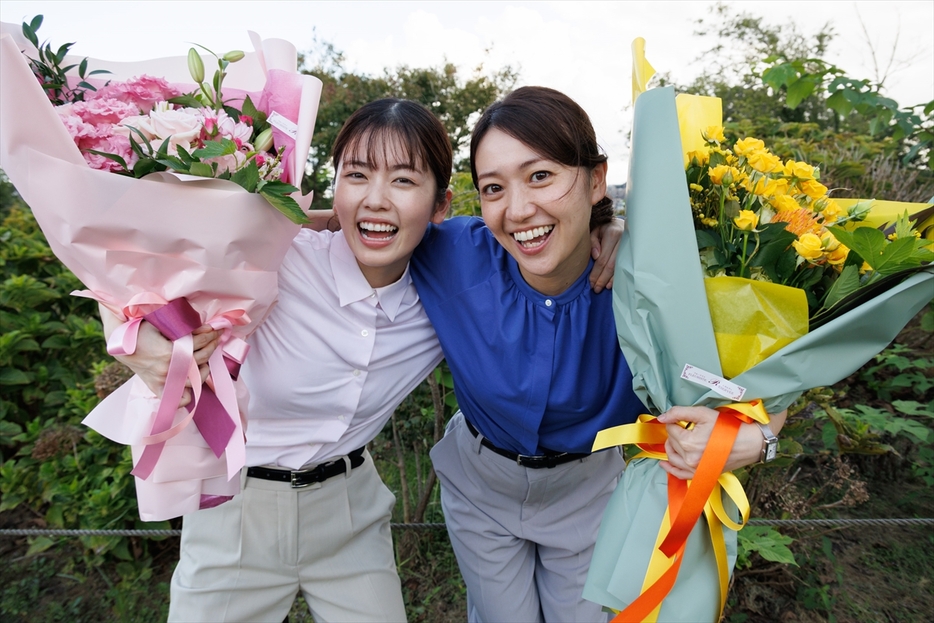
[{"x": 536, "y": 365}]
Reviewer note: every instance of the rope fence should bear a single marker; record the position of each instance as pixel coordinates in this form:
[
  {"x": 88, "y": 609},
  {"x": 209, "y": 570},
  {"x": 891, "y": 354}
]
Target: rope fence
[{"x": 789, "y": 523}]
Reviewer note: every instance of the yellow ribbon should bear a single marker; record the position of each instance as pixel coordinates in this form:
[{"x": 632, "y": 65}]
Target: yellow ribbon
[
  {"x": 642, "y": 71},
  {"x": 650, "y": 436}
]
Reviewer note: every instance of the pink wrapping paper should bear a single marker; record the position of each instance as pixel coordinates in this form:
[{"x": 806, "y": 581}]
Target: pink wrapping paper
[{"x": 166, "y": 236}]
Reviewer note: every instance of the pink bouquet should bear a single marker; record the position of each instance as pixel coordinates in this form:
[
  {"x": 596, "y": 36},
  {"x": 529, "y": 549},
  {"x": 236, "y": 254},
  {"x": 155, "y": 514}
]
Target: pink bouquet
[{"x": 177, "y": 244}]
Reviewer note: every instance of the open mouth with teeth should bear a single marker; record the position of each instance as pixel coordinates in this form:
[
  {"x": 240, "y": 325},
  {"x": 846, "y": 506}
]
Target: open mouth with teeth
[
  {"x": 377, "y": 231},
  {"x": 532, "y": 238}
]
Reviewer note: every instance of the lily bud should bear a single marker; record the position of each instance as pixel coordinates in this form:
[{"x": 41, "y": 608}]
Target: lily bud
[
  {"x": 195, "y": 66},
  {"x": 263, "y": 141},
  {"x": 233, "y": 56}
]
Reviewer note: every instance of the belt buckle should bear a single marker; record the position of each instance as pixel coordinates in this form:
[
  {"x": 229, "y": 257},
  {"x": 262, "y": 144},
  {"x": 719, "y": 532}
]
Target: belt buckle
[{"x": 301, "y": 485}]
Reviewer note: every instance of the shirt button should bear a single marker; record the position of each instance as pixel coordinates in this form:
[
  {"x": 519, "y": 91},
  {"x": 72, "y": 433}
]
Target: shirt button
[
  {"x": 372, "y": 294},
  {"x": 364, "y": 333},
  {"x": 356, "y": 372},
  {"x": 341, "y": 418},
  {"x": 548, "y": 302}
]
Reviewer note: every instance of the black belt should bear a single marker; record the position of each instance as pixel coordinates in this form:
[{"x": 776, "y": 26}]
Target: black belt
[
  {"x": 549, "y": 460},
  {"x": 307, "y": 477}
]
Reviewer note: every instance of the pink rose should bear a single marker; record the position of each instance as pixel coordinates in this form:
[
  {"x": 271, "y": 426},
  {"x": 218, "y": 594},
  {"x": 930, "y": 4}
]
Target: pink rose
[{"x": 107, "y": 110}]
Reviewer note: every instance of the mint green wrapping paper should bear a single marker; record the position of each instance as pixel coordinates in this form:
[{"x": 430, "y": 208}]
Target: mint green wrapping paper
[{"x": 663, "y": 323}]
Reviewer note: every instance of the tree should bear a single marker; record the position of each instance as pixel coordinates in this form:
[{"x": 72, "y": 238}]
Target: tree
[
  {"x": 775, "y": 85},
  {"x": 455, "y": 99}
]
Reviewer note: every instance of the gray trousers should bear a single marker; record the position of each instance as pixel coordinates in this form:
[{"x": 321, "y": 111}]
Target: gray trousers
[
  {"x": 523, "y": 537},
  {"x": 247, "y": 559}
]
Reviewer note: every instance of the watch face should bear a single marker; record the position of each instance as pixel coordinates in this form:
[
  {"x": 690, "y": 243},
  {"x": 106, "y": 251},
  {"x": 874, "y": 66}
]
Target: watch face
[{"x": 771, "y": 450}]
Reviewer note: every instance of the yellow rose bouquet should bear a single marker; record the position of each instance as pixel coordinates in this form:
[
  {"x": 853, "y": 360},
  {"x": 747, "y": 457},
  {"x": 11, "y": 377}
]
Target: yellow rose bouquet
[
  {"x": 772, "y": 222},
  {"x": 700, "y": 324}
]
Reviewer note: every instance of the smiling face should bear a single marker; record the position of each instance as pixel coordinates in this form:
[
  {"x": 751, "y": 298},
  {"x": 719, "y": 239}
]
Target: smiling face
[
  {"x": 384, "y": 202},
  {"x": 538, "y": 209}
]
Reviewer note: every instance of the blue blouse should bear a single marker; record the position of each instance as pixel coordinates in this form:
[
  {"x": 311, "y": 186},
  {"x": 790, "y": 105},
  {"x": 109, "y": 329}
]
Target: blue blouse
[{"x": 531, "y": 372}]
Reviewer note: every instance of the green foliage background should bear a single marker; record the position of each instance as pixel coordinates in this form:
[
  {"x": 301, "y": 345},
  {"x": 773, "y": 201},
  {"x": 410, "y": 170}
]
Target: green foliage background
[{"x": 53, "y": 367}]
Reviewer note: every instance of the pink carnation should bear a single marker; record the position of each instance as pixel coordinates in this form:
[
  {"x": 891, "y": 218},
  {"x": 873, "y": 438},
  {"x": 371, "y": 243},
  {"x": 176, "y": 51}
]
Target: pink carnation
[
  {"x": 114, "y": 144},
  {"x": 105, "y": 110},
  {"x": 76, "y": 126},
  {"x": 144, "y": 92}
]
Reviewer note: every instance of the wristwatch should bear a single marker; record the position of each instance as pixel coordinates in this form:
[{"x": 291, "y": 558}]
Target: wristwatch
[{"x": 770, "y": 447}]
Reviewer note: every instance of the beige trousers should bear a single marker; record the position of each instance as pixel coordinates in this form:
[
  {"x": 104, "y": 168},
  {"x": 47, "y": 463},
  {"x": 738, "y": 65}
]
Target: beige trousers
[{"x": 247, "y": 559}]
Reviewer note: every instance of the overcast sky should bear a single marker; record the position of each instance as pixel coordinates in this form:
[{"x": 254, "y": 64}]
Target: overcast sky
[{"x": 581, "y": 48}]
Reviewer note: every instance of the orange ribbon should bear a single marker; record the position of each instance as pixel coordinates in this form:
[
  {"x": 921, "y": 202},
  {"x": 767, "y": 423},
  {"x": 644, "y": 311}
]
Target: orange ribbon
[{"x": 687, "y": 500}]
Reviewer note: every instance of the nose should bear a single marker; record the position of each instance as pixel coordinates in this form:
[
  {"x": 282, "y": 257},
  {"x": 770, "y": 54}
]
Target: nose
[
  {"x": 520, "y": 206},
  {"x": 377, "y": 196}
]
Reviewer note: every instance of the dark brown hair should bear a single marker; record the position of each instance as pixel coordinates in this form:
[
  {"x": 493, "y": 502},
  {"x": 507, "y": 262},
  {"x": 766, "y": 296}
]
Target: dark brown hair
[
  {"x": 398, "y": 124},
  {"x": 552, "y": 125}
]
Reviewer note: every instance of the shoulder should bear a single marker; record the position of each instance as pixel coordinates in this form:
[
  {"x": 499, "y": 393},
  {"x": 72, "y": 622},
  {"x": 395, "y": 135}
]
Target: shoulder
[{"x": 458, "y": 235}]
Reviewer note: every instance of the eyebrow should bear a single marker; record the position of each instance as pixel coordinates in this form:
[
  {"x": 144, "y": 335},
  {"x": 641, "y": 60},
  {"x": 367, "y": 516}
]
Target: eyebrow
[
  {"x": 367, "y": 165},
  {"x": 523, "y": 165}
]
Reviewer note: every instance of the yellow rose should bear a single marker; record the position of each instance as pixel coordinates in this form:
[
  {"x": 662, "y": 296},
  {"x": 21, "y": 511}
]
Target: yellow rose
[
  {"x": 766, "y": 187},
  {"x": 699, "y": 157},
  {"x": 782, "y": 203},
  {"x": 799, "y": 170},
  {"x": 829, "y": 241},
  {"x": 831, "y": 211},
  {"x": 764, "y": 161},
  {"x": 713, "y": 134},
  {"x": 865, "y": 268},
  {"x": 838, "y": 255},
  {"x": 746, "y": 146},
  {"x": 809, "y": 246},
  {"x": 696, "y": 188},
  {"x": 746, "y": 220},
  {"x": 722, "y": 174},
  {"x": 812, "y": 188}
]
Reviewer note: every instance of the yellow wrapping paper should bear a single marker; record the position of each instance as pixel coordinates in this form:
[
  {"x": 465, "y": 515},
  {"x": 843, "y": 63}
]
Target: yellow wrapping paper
[{"x": 753, "y": 319}]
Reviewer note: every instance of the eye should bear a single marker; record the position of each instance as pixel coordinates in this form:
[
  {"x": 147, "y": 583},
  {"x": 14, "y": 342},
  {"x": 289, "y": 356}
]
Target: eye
[
  {"x": 491, "y": 189},
  {"x": 540, "y": 176},
  {"x": 354, "y": 175},
  {"x": 404, "y": 180}
]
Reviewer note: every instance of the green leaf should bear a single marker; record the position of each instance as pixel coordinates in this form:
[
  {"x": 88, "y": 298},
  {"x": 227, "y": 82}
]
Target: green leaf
[
  {"x": 247, "y": 177},
  {"x": 799, "y": 90},
  {"x": 184, "y": 155},
  {"x": 706, "y": 238},
  {"x": 175, "y": 164},
  {"x": 216, "y": 149},
  {"x": 188, "y": 100},
  {"x": 39, "y": 544},
  {"x": 838, "y": 103},
  {"x": 768, "y": 543},
  {"x": 277, "y": 194},
  {"x": 11, "y": 376},
  {"x": 201, "y": 169},
  {"x": 113, "y": 157},
  {"x": 846, "y": 284}
]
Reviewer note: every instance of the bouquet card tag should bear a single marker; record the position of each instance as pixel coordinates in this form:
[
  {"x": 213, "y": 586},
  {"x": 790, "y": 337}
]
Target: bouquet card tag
[
  {"x": 711, "y": 381},
  {"x": 283, "y": 124}
]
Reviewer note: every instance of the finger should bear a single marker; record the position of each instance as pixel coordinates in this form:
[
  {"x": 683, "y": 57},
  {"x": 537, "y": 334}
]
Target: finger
[
  {"x": 601, "y": 274},
  {"x": 200, "y": 340},
  {"x": 205, "y": 370},
  {"x": 186, "y": 398},
  {"x": 681, "y": 474}
]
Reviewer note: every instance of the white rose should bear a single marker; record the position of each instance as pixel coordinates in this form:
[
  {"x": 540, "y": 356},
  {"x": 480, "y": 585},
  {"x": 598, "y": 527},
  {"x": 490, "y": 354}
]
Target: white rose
[{"x": 182, "y": 126}]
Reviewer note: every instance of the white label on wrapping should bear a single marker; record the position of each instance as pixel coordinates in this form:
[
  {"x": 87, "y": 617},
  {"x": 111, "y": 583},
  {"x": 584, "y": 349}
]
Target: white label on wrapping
[
  {"x": 282, "y": 123},
  {"x": 711, "y": 381}
]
